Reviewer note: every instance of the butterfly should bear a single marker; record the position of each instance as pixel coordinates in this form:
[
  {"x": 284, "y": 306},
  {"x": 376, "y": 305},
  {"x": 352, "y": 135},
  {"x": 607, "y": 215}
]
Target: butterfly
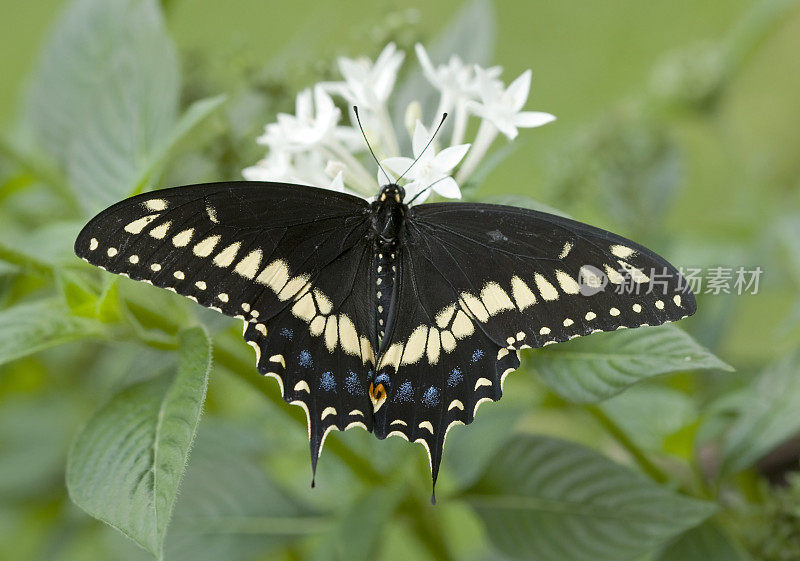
[{"x": 398, "y": 319}]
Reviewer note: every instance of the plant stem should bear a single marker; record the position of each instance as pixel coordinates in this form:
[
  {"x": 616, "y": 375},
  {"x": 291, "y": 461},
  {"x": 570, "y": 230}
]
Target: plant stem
[{"x": 623, "y": 440}]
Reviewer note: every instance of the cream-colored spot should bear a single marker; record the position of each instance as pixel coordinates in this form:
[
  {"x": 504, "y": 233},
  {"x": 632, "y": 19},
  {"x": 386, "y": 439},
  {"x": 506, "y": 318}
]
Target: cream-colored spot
[
  {"x": 427, "y": 426},
  {"x": 479, "y": 403},
  {"x": 590, "y": 316},
  {"x": 302, "y": 386},
  {"x": 495, "y": 299},
  {"x": 677, "y": 299},
  {"x": 637, "y": 308},
  {"x": 613, "y": 312},
  {"x": 222, "y": 297},
  {"x": 160, "y": 231},
  {"x": 278, "y": 359},
  {"x": 138, "y": 225},
  {"x": 317, "y": 326},
  {"x": 462, "y": 326},
  {"x": 434, "y": 345},
  {"x": 293, "y": 287},
  {"x": 392, "y": 356},
  {"x": 323, "y": 302},
  {"x": 567, "y": 283},
  {"x": 448, "y": 341},
  {"x": 206, "y": 246},
  {"x": 248, "y": 267},
  {"x": 613, "y": 275},
  {"x": 660, "y": 304},
  {"x": 112, "y": 251},
  {"x": 179, "y": 275},
  {"x": 328, "y": 411},
  {"x": 568, "y": 322},
  {"x": 502, "y": 353},
  {"x": 475, "y": 306},
  {"x": 483, "y": 382},
  {"x": 93, "y": 243},
  {"x": 367, "y": 354},
  {"x": 245, "y": 306},
  {"x": 399, "y": 422},
  {"x": 201, "y": 285},
  {"x": 636, "y": 274},
  {"x": 544, "y": 331},
  {"x": 275, "y": 275},
  {"x": 156, "y": 204},
  {"x": 547, "y": 290},
  {"x": 523, "y": 295},
  {"x": 331, "y": 333},
  {"x": 356, "y": 413},
  {"x": 621, "y": 251},
  {"x": 212, "y": 214},
  {"x": 565, "y": 250},
  {"x": 415, "y": 346},
  {"x": 445, "y": 315},
  {"x": 225, "y": 257},
  {"x": 304, "y": 308},
  {"x": 134, "y": 259},
  {"x": 155, "y": 267},
  {"x": 455, "y": 404},
  {"x": 348, "y": 336},
  {"x": 261, "y": 328},
  {"x": 182, "y": 239}
]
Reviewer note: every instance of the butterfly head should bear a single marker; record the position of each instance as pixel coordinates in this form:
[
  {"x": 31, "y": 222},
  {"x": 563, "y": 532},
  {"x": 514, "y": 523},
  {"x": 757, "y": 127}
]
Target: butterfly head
[
  {"x": 392, "y": 192},
  {"x": 379, "y": 391}
]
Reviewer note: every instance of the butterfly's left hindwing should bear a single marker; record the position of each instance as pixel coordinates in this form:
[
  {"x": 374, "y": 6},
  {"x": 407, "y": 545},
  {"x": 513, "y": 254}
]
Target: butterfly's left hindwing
[
  {"x": 292, "y": 262},
  {"x": 480, "y": 282}
]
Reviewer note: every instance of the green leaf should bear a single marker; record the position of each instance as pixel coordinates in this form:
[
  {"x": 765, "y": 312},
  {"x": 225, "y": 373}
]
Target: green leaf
[
  {"x": 125, "y": 466},
  {"x": 768, "y": 415},
  {"x": 707, "y": 542},
  {"x": 105, "y": 94},
  {"x": 229, "y": 508},
  {"x": 31, "y": 327},
  {"x": 590, "y": 369},
  {"x": 189, "y": 122},
  {"x": 548, "y": 499}
]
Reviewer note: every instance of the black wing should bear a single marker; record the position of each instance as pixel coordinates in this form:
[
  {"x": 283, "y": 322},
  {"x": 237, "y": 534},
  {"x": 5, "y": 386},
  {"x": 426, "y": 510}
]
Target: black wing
[
  {"x": 479, "y": 282},
  {"x": 291, "y": 261}
]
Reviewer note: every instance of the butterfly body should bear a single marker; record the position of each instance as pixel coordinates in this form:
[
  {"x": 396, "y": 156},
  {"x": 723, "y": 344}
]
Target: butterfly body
[{"x": 400, "y": 320}]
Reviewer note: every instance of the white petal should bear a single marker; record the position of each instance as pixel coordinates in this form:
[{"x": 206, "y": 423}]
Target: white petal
[
  {"x": 447, "y": 187},
  {"x": 427, "y": 65},
  {"x": 303, "y": 107},
  {"x": 507, "y": 128},
  {"x": 518, "y": 91},
  {"x": 397, "y": 164},
  {"x": 450, "y": 157},
  {"x": 338, "y": 183},
  {"x": 420, "y": 139},
  {"x": 529, "y": 119},
  {"x": 382, "y": 179}
]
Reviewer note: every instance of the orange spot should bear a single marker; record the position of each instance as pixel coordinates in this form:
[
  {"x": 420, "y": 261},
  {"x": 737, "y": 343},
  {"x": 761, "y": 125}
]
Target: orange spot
[{"x": 377, "y": 392}]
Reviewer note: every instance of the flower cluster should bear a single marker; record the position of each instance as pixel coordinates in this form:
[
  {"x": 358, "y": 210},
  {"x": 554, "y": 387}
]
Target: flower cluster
[{"x": 313, "y": 147}]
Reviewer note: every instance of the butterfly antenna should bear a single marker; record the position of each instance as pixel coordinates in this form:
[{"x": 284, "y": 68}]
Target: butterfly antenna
[
  {"x": 444, "y": 116},
  {"x": 358, "y": 119}
]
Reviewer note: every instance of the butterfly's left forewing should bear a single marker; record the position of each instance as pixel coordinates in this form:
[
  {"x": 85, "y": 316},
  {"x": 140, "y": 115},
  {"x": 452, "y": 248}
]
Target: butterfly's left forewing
[
  {"x": 292, "y": 262},
  {"x": 480, "y": 282}
]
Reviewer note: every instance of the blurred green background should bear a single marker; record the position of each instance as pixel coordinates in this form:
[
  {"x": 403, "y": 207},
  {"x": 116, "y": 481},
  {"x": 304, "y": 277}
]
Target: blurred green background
[{"x": 677, "y": 127}]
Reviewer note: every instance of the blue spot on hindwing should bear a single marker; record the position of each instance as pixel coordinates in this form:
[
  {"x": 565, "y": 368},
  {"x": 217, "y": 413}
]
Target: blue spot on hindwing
[
  {"x": 477, "y": 354},
  {"x": 327, "y": 382},
  {"x": 455, "y": 378},
  {"x": 288, "y": 333},
  {"x": 431, "y": 397},
  {"x": 382, "y": 379},
  {"x": 305, "y": 360},
  {"x": 405, "y": 392},
  {"x": 353, "y": 384}
]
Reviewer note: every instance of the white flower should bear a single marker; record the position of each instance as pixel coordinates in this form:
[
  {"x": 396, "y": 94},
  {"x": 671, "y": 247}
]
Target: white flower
[
  {"x": 503, "y": 107},
  {"x": 315, "y": 121},
  {"x": 454, "y": 79},
  {"x": 432, "y": 168},
  {"x": 368, "y": 85},
  {"x": 277, "y": 166}
]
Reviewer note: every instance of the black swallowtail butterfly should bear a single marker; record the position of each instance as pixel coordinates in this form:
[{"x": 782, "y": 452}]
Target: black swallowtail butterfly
[{"x": 401, "y": 320}]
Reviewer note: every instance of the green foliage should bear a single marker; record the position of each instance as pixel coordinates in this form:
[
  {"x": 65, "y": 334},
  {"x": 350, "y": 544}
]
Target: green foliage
[
  {"x": 543, "y": 492},
  {"x": 127, "y": 463},
  {"x": 662, "y": 444},
  {"x": 594, "y": 368}
]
